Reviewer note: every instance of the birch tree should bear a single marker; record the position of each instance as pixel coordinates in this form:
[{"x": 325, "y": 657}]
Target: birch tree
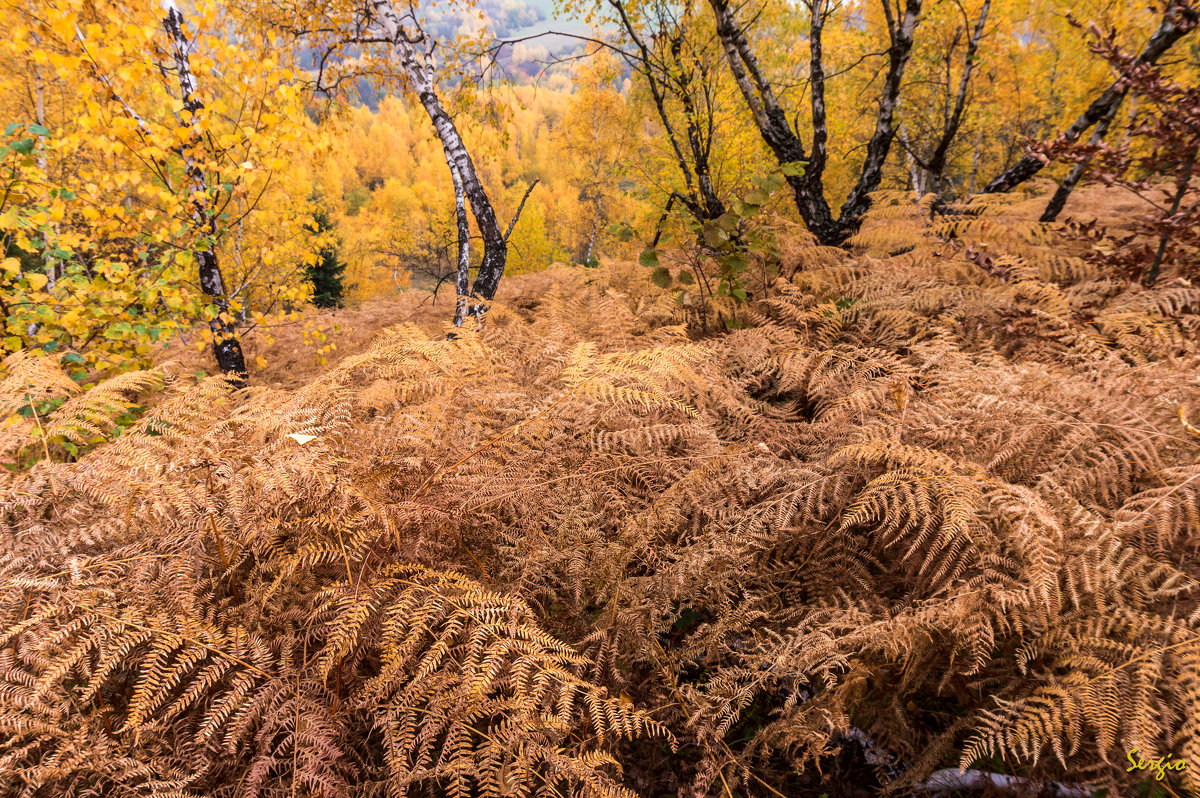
[
  {"x": 668, "y": 47},
  {"x": 1179, "y": 18},
  {"x": 387, "y": 41},
  {"x": 227, "y": 347},
  {"x": 783, "y": 137},
  {"x": 162, "y": 196},
  {"x": 927, "y": 149}
]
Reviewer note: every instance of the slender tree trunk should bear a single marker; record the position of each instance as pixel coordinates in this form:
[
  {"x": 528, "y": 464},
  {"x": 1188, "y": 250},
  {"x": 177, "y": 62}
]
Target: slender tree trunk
[
  {"x": 39, "y": 116},
  {"x": 587, "y": 254},
  {"x": 462, "y": 281},
  {"x": 1059, "y": 200},
  {"x": 495, "y": 248},
  {"x": 776, "y": 131},
  {"x": 699, "y": 195},
  {"x": 975, "y": 163},
  {"x": 816, "y": 71},
  {"x": 1185, "y": 177},
  {"x": 914, "y": 169},
  {"x": 954, "y": 113},
  {"x": 226, "y": 347},
  {"x": 901, "y": 31},
  {"x": 1169, "y": 31},
  {"x": 772, "y": 121},
  {"x": 713, "y": 207}
]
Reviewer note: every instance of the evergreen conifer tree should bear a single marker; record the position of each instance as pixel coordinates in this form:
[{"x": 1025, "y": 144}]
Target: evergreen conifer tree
[{"x": 326, "y": 274}]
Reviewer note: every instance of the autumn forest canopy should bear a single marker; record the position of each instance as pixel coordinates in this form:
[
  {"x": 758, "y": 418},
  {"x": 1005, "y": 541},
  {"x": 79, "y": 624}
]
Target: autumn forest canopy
[{"x": 605, "y": 398}]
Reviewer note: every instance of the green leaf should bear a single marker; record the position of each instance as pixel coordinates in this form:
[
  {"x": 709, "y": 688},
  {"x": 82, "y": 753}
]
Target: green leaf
[
  {"x": 772, "y": 183},
  {"x": 24, "y": 146},
  {"x": 758, "y": 196},
  {"x": 621, "y": 230},
  {"x": 739, "y": 294},
  {"x": 38, "y": 130},
  {"x": 661, "y": 277},
  {"x": 734, "y": 262},
  {"x": 744, "y": 209},
  {"x": 648, "y": 258},
  {"x": 72, "y": 357},
  {"x": 686, "y": 278},
  {"x": 13, "y": 127},
  {"x": 715, "y": 237},
  {"x": 118, "y": 329},
  {"x": 792, "y": 168}
]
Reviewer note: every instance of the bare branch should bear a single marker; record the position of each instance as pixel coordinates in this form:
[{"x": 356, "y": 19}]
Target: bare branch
[{"x": 521, "y": 207}]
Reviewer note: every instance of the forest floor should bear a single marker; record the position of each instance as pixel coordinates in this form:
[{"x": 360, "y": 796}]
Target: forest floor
[{"x": 932, "y": 503}]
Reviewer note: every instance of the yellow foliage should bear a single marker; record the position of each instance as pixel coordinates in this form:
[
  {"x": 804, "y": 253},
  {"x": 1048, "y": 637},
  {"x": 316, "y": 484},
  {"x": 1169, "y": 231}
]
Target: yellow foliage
[{"x": 100, "y": 207}]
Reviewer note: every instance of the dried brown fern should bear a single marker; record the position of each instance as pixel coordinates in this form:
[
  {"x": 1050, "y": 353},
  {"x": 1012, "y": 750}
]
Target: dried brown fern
[{"x": 932, "y": 509}]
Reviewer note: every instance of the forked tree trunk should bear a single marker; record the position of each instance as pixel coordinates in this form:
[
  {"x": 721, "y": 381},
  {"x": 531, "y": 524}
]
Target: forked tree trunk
[
  {"x": 776, "y": 131},
  {"x": 226, "y": 347},
  {"x": 418, "y": 69},
  {"x": 936, "y": 166},
  {"x": 901, "y": 32},
  {"x": 676, "y": 79}
]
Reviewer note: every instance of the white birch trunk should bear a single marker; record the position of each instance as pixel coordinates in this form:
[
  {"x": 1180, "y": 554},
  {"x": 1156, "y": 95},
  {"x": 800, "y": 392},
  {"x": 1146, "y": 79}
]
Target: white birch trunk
[
  {"x": 226, "y": 346},
  {"x": 417, "y": 66}
]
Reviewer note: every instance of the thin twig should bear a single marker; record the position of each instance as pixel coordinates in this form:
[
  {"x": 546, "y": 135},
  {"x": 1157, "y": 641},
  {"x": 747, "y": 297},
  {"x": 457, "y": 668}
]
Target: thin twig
[{"x": 520, "y": 208}]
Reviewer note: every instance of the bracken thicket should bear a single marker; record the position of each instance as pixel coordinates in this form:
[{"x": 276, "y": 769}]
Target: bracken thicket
[{"x": 933, "y": 505}]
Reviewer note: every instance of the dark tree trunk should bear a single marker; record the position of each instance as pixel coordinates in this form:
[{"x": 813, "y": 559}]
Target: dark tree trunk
[
  {"x": 1169, "y": 31},
  {"x": 772, "y": 121},
  {"x": 676, "y": 79},
  {"x": 936, "y": 166},
  {"x": 1185, "y": 177},
  {"x": 1062, "y": 194},
  {"x": 495, "y": 248},
  {"x": 713, "y": 207},
  {"x": 880, "y": 144},
  {"x": 462, "y": 278}
]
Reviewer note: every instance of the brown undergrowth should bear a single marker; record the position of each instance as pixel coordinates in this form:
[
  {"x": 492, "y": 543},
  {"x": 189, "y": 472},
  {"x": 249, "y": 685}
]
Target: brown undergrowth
[{"x": 933, "y": 507}]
